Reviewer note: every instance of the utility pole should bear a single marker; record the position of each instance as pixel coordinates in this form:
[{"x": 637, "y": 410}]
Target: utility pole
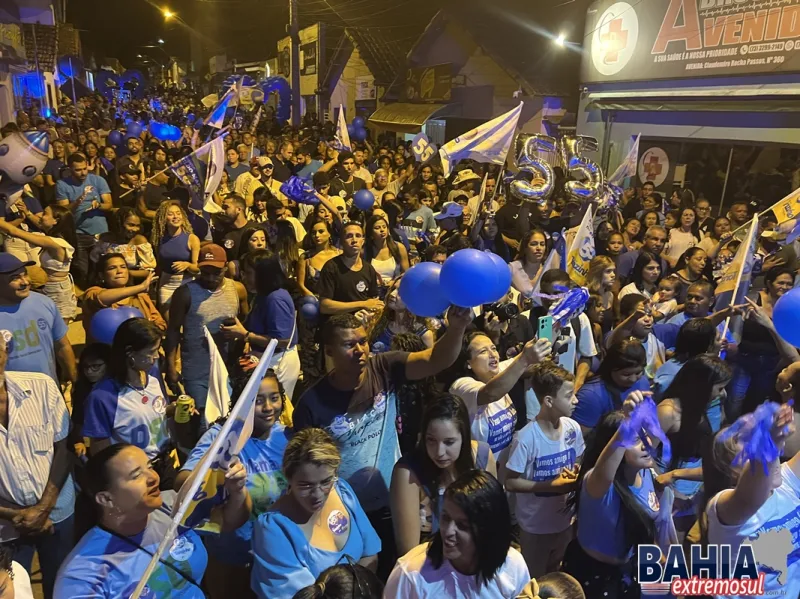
[{"x": 294, "y": 34}]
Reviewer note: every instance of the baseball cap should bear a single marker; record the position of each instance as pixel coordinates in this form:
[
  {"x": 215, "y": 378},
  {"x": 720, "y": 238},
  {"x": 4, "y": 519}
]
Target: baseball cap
[
  {"x": 10, "y": 263},
  {"x": 263, "y": 161},
  {"x": 212, "y": 255},
  {"x": 450, "y": 210}
]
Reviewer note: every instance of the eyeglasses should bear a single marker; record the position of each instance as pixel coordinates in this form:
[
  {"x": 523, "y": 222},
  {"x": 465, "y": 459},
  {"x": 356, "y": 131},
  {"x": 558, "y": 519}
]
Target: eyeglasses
[
  {"x": 362, "y": 594},
  {"x": 325, "y": 486}
]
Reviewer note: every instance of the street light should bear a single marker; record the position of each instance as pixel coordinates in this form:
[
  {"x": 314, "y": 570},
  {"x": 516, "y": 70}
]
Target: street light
[
  {"x": 560, "y": 40},
  {"x": 168, "y": 14},
  {"x": 160, "y": 41}
]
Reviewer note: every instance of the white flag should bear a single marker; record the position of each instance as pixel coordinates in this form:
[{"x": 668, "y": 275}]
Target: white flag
[
  {"x": 488, "y": 142},
  {"x": 342, "y": 140},
  {"x": 628, "y": 166},
  {"x": 216, "y": 164},
  {"x": 219, "y": 390}
]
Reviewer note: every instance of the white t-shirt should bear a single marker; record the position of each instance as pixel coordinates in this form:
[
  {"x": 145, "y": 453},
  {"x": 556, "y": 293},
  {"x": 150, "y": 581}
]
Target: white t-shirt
[
  {"x": 538, "y": 458},
  {"x": 632, "y": 288},
  {"x": 679, "y": 242},
  {"x": 414, "y": 577},
  {"x": 22, "y": 582},
  {"x": 493, "y": 423},
  {"x": 773, "y": 532}
]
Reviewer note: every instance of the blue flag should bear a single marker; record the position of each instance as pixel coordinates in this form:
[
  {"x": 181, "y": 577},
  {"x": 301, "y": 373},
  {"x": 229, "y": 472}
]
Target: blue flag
[
  {"x": 217, "y": 116},
  {"x": 191, "y": 173}
]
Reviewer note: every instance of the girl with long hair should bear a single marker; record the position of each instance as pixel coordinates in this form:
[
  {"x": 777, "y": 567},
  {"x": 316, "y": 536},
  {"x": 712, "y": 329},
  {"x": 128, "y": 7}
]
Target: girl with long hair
[
  {"x": 444, "y": 452},
  {"x": 126, "y": 237},
  {"x": 690, "y": 415},
  {"x": 395, "y": 319},
  {"x": 696, "y": 336},
  {"x": 645, "y": 276},
  {"x": 616, "y": 504},
  {"x": 388, "y": 258},
  {"x": 177, "y": 249},
  {"x": 682, "y": 237},
  {"x": 318, "y": 250},
  {"x": 287, "y": 249},
  {"x": 58, "y": 246},
  {"x": 690, "y": 268},
  {"x": 253, "y": 240},
  {"x": 600, "y": 280},
  {"x": 229, "y": 557},
  {"x": 472, "y": 551},
  {"x": 631, "y": 234},
  {"x": 717, "y": 236},
  {"x": 527, "y": 267}
]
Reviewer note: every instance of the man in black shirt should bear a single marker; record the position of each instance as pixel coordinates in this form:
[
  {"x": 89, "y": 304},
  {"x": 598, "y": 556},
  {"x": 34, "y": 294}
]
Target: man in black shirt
[
  {"x": 231, "y": 226},
  {"x": 283, "y": 161},
  {"x": 513, "y": 221},
  {"x": 347, "y": 283},
  {"x": 346, "y": 187},
  {"x": 129, "y": 190}
]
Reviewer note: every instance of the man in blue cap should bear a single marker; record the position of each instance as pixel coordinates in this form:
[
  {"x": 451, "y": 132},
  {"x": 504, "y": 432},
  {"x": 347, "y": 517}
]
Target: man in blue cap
[{"x": 31, "y": 325}]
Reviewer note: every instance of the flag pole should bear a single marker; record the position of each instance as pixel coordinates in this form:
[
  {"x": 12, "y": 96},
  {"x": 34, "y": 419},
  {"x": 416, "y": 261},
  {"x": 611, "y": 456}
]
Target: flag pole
[
  {"x": 252, "y": 383},
  {"x": 725, "y": 185},
  {"x": 164, "y": 170},
  {"x": 746, "y": 248}
]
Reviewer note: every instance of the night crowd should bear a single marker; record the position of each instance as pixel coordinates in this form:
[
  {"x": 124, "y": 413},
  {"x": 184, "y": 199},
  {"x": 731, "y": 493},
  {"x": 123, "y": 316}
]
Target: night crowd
[{"x": 462, "y": 456}]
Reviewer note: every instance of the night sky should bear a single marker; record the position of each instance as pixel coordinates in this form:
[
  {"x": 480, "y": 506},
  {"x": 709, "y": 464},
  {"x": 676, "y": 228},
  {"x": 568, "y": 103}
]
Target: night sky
[{"x": 249, "y": 29}]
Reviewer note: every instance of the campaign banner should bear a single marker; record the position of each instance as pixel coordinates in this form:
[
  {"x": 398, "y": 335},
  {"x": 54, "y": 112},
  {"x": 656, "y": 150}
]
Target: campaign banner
[
  {"x": 581, "y": 249},
  {"x": 422, "y": 148},
  {"x": 672, "y": 39}
]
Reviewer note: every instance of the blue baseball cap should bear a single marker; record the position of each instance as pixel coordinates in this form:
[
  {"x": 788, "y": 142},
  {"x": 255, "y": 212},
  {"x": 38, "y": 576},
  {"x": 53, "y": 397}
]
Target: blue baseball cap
[
  {"x": 10, "y": 263},
  {"x": 450, "y": 210}
]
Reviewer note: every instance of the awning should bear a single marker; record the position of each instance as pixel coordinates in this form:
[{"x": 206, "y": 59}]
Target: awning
[
  {"x": 404, "y": 117},
  {"x": 715, "y": 99}
]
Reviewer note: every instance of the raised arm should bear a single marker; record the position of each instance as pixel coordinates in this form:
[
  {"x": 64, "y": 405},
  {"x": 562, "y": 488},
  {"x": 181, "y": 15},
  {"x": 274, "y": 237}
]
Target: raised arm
[
  {"x": 534, "y": 352},
  {"x": 42, "y": 241},
  {"x": 108, "y": 297},
  {"x": 444, "y": 353}
]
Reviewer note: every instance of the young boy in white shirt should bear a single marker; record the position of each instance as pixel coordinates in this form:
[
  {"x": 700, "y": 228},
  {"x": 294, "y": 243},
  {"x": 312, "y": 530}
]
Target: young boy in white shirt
[{"x": 543, "y": 468}]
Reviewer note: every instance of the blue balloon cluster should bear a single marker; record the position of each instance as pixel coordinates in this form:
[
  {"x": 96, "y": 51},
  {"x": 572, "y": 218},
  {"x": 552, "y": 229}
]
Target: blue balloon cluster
[
  {"x": 105, "y": 323},
  {"x": 468, "y": 278},
  {"x": 164, "y": 131}
]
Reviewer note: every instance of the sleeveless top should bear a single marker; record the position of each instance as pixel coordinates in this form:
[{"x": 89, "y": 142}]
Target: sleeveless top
[
  {"x": 430, "y": 506},
  {"x": 173, "y": 249},
  {"x": 207, "y": 309},
  {"x": 387, "y": 269},
  {"x": 50, "y": 264}
]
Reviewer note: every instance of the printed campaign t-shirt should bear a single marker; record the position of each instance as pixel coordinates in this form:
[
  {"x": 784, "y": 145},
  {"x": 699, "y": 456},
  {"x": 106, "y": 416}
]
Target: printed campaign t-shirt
[
  {"x": 265, "y": 482},
  {"x": 363, "y": 423},
  {"x": 774, "y": 533},
  {"x": 31, "y": 328},
  {"x": 494, "y": 423},
  {"x": 108, "y": 566},
  {"x": 418, "y": 222},
  {"x": 538, "y": 458},
  {"x": 338, "y": 282},
  {"x": 127, "y": 415}
]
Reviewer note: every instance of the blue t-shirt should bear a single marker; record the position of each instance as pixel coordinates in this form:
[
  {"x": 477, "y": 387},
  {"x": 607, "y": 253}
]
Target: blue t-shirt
[
  {"x": 104, "y": 565},
  {"x": 596, "y": 399},
  {"x": 87, "y": 220},
  {"x": 664, "y": 377},
  {"x": 265, "y": 482},
  {"x": 128, "y": 415},
  {"x": 235, "y": 171},
  {"x": 682, "y": 317},
  {"x": 34, "y": 326},
  {"x": 274, "y": 315},
  {"x": 285, "y": 562},
  {"x": 601, "y": 527}
]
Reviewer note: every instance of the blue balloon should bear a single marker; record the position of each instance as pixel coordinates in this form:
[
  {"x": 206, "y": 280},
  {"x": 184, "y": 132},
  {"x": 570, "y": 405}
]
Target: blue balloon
[
  {"x": 786, "y": 316},
  {"x": 360, "y": 134},
  {"x": 105, "y": 323},
  {"x": 280, "y": 86},
  {"x": 351, "y": 130},
  {"x": 134, "y": 129},
  {"x": 309, "y": 309},
  {"x": 359, "y": 122},
  {"x": 115, "y": 138},
  {"x": 502, "y": 277},
  {"x": 363, "y": 199},
  {"x": 422, "y": 291},
  {"x": 469, "y": 278},
  {"x": 164, "y": 131}
]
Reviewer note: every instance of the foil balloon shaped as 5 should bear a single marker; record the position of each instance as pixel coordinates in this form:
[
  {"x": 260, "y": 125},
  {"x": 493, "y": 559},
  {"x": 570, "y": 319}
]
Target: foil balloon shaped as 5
[
  {"x": 588, "y": 177},
  {"x": 610, "y": 197},
  {"x": 528, "y": 150}
]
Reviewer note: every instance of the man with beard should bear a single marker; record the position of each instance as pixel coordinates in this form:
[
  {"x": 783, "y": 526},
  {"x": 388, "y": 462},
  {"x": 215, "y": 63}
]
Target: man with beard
[
  {"x": 89, "y": 198},
  {"x": 283, "y": 166},
  {"x": 232, "y": 225},
  {"x": 361, "y": 171},
  {"x": 346, "y": 184},
  {"x": 209, "y": 301},
  {"x": 133, "y": 157}
]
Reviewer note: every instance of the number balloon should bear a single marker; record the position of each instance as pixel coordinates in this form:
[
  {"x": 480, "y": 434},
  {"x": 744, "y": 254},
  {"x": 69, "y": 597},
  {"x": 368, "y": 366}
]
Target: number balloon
[
  {"x": 588, "y": 177},
  {"x": 529, "y": 150}
]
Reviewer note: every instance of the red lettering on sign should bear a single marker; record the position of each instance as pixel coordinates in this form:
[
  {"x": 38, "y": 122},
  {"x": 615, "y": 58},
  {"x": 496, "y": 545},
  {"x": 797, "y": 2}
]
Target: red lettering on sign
[
  {"x": 683, "y": 11},
  {"x": 614, "y": 41}
]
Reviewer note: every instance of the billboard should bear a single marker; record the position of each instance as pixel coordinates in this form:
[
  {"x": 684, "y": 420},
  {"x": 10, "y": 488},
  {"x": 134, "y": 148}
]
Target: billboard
[{"x": 672, "y": 39}]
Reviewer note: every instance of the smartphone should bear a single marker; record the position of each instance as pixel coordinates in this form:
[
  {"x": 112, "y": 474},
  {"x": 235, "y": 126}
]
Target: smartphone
[{"x": 546, "y": 328}]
